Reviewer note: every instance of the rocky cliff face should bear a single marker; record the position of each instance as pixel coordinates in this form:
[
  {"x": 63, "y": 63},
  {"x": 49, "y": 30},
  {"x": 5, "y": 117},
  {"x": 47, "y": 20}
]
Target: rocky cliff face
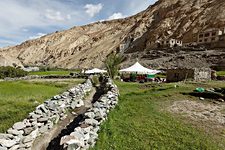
[{"x": 89, "y": 45}]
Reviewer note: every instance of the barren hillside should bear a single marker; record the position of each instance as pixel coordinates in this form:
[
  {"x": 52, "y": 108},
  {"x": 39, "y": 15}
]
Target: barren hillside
[{"x": 89, "y": 45}]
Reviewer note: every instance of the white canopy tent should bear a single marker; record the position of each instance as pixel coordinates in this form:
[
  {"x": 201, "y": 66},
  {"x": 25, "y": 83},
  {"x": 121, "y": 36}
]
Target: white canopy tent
[
  {"x": 139, "y": 69},
  {"x": 95, "y": 70}
]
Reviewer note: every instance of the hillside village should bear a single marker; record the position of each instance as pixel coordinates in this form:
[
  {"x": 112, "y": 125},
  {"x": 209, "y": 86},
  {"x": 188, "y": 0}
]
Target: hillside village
[{"x": 209, "y": 38}]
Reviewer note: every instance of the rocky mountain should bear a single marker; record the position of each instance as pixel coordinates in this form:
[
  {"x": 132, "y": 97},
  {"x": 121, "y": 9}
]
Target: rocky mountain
[{"x": 88, "y": 46}]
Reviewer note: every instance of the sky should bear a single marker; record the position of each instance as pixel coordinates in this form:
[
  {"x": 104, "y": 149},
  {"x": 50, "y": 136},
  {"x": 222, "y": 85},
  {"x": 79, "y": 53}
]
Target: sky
[{"x": 21, "y": 20}]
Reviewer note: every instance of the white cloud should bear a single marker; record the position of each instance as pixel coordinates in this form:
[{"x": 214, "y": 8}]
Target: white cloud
[
  {"x": 25, "y": 30},
  {"x": 68, "y": 17},
  {"x": 116, "y": 16},
  {"x": 21, "y": 19},
  {"x": 92, "y": 9},
  {"x": 8, "y": 42},
  {"x": 56, "y": 15},
  {"x": 38, "y": 35}
]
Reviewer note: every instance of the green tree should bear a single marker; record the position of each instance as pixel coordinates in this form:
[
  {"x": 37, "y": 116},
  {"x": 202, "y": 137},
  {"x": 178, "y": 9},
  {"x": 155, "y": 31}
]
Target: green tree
[
  {"x": 112, "y": 64},
  {"x": 11, "y": 72}
]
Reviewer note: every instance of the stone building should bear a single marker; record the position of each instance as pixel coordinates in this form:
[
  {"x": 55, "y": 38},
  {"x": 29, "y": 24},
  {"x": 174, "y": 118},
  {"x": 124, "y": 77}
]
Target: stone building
[
  {"x": 171, "y": 43},
  {"x": 213, "y": 37},
  {"x": 165, "y": 43},
  {"x": 196, "y": 74}
]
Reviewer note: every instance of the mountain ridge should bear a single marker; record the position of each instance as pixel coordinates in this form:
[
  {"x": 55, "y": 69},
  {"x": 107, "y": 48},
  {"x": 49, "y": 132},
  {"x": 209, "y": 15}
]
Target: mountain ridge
[{"x": 89, "y": 45}]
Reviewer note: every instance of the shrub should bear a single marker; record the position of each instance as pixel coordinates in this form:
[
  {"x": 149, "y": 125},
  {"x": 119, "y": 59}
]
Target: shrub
[
  {"x": 11, "y": 72},
  {"x": 112, "y": 64}
]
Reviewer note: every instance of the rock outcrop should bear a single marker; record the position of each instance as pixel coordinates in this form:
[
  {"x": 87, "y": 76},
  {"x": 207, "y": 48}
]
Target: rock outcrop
[{"x": 87, "y": 46}]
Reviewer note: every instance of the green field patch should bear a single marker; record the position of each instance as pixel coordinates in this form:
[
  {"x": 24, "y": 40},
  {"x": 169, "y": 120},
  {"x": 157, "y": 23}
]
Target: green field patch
[
  {"x": 18, "y": 98},
  {"x": 50, "y": 73},
  {"x": 141, "y": 121},
  {"x": 220, "y": 73}
]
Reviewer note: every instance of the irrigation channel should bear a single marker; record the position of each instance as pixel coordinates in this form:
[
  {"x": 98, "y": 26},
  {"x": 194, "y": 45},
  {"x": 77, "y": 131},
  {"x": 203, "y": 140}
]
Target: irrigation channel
[{"x": 51, "y": 140}]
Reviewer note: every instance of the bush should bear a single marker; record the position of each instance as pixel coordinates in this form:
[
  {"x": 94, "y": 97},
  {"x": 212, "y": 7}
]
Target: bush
[
  {"x": 95, "y": 81},
  {"x": 112, "y": 64},
  {"x": 11, "y": 72}
]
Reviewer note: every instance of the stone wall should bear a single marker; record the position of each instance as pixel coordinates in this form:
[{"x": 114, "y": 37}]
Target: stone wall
[
  {"x": 197, "y": 74},
  {"x": 175, "y": 75},
  {"x": 22, "y": 134},
  {"x": 202, "y": 74},
  {"x": 85, "y": 135}
]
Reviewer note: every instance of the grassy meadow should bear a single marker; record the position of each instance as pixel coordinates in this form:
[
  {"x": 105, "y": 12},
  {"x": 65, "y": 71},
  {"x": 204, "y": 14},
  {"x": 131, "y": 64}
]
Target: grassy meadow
[
  {"x": 18, "y": 98},
  {"x": 141, "y": 121},
  {"x": 221, "y": 73},
  {"x": 50, "y": 73}
]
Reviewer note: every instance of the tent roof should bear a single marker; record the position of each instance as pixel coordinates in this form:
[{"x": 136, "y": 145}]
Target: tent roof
[
  {"x": 95, "y": 70},
  {"x": 138, "y": 68}
]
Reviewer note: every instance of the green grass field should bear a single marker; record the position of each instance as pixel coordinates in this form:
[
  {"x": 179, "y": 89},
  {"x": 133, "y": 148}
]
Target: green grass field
[
  {"x": 18, "y": 98},
  {"x": 141, "y": 122},
  {"x": 50, "y": 73},
  {"x": 221, "y": 73}
]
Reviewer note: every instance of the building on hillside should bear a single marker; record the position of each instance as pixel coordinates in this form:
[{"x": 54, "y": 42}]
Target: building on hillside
[
  {"x": 213, "y": 37},
  {"x": 196, "y": 74},
  {"x": 171, "y": 43},
  {"x": 30, "y": 69},
  {"x": 165, "y": 43}
]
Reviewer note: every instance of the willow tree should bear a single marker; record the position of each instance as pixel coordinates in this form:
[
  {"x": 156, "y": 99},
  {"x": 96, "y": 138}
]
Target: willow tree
[{"x": 112, "y": 64}]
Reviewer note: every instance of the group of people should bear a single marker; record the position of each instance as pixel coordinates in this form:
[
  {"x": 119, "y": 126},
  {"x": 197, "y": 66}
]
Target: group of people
[{"x": 141, "y": 78}]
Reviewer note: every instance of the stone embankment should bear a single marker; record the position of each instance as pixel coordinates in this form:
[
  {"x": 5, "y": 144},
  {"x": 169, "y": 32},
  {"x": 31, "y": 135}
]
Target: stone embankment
[
  {"x": 85, "y": 135},
  {"x": 22, "y": 134}
]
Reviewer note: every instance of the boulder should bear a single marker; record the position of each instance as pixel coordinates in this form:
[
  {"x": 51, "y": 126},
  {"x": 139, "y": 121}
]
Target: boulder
[
  {"x": 67, "y": 138},
  {"x": 18, "y": 138},
  {"x": 73, "y": 146},
  {"x": 60, "y": 103},
  {"x": 79, "y": 103},
  {"x": 34, "y": 134},
  {"x": 28, "y": 130},
  {"x": 19, "y": 126},
  {"x": 56, "y": 119},
  {"x": 79, "y": 143},
  {"x": 27, "y": 139},
  {"x": 15, "y": 147},
  {"x": 15, "y": 132},
  {"x": 28, "y": 145},
  {"x": 90, "y": 115},
  {"x": 43, "y": 129},
  {"x": 73, "y": 105},
  {"x": 43, "y": 119},
  {"x": 92, "y": 122},
  {"x": 50, "y": 125},
  {"x": 6, "y": 136},
  {"x": 43, "y": 109},
  {"x": 77, "y": 135},
  {"x": 3, "y": 148},
  {"x": 7, "y": 143},
  {"x": 34, "y": 116},
  {"x": 52, "y": 105},
  {"x": 56, "y": 97}
]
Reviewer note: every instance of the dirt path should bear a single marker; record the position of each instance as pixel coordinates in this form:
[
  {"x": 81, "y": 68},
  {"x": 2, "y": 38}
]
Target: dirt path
[
  {"x": 89, "y": 98},
  {"x": 208, "y": 116},
  {"x": 51, "y": 139}
]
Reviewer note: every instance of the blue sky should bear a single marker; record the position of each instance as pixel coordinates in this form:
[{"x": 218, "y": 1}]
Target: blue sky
[{"x": 29, "y": 19}]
